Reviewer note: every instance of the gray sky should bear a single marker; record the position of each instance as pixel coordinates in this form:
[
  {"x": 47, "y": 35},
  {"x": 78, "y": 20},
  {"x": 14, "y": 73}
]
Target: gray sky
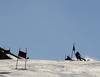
[{"x": 48, "y": 28}]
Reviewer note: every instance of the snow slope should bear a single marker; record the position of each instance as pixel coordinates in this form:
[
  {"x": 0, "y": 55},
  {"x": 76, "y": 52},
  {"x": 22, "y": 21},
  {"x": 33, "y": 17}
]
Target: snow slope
[{"x": 50, "y": 68}]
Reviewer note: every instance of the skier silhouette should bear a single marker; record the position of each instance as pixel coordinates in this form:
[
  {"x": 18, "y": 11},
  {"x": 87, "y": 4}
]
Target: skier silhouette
[
  {"x": 78, "y": 56},
  {"x": 68, "y": 58}
]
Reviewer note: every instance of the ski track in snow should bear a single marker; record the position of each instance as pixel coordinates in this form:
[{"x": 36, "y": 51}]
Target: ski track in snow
[{"x": 49, "y": 68}]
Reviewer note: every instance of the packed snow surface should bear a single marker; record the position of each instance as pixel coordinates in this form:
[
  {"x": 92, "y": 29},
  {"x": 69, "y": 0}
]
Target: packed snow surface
[{"x": 49, "y": 68}]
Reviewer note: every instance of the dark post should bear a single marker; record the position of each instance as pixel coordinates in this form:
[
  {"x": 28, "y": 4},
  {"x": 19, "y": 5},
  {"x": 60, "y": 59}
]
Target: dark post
[{"x": 73, "y": 50}]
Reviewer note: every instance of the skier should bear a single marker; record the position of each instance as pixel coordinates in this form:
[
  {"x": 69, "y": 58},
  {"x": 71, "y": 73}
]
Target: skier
[
  {"x": 68, "y": 58},
  {"x": 78, "y": 56}
]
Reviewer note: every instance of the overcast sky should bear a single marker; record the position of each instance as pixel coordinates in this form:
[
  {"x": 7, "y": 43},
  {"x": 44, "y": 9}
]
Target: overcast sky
[{"x": 48, "y": 28}]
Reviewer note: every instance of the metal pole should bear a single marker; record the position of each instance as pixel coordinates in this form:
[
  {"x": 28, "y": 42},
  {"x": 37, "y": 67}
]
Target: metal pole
[
  {"x": 72, "y": 54},
  {"x": 16, "y": 63},
  {"x": 17, "y": 59},
  {"x": 25, "y": 58},
  {"x": 10, "y": 49}
]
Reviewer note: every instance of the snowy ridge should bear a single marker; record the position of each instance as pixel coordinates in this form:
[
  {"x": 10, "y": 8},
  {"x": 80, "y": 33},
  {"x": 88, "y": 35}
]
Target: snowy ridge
[
  {"x": 50, "y": 68},
  {"x": 89, "y": 59}
]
